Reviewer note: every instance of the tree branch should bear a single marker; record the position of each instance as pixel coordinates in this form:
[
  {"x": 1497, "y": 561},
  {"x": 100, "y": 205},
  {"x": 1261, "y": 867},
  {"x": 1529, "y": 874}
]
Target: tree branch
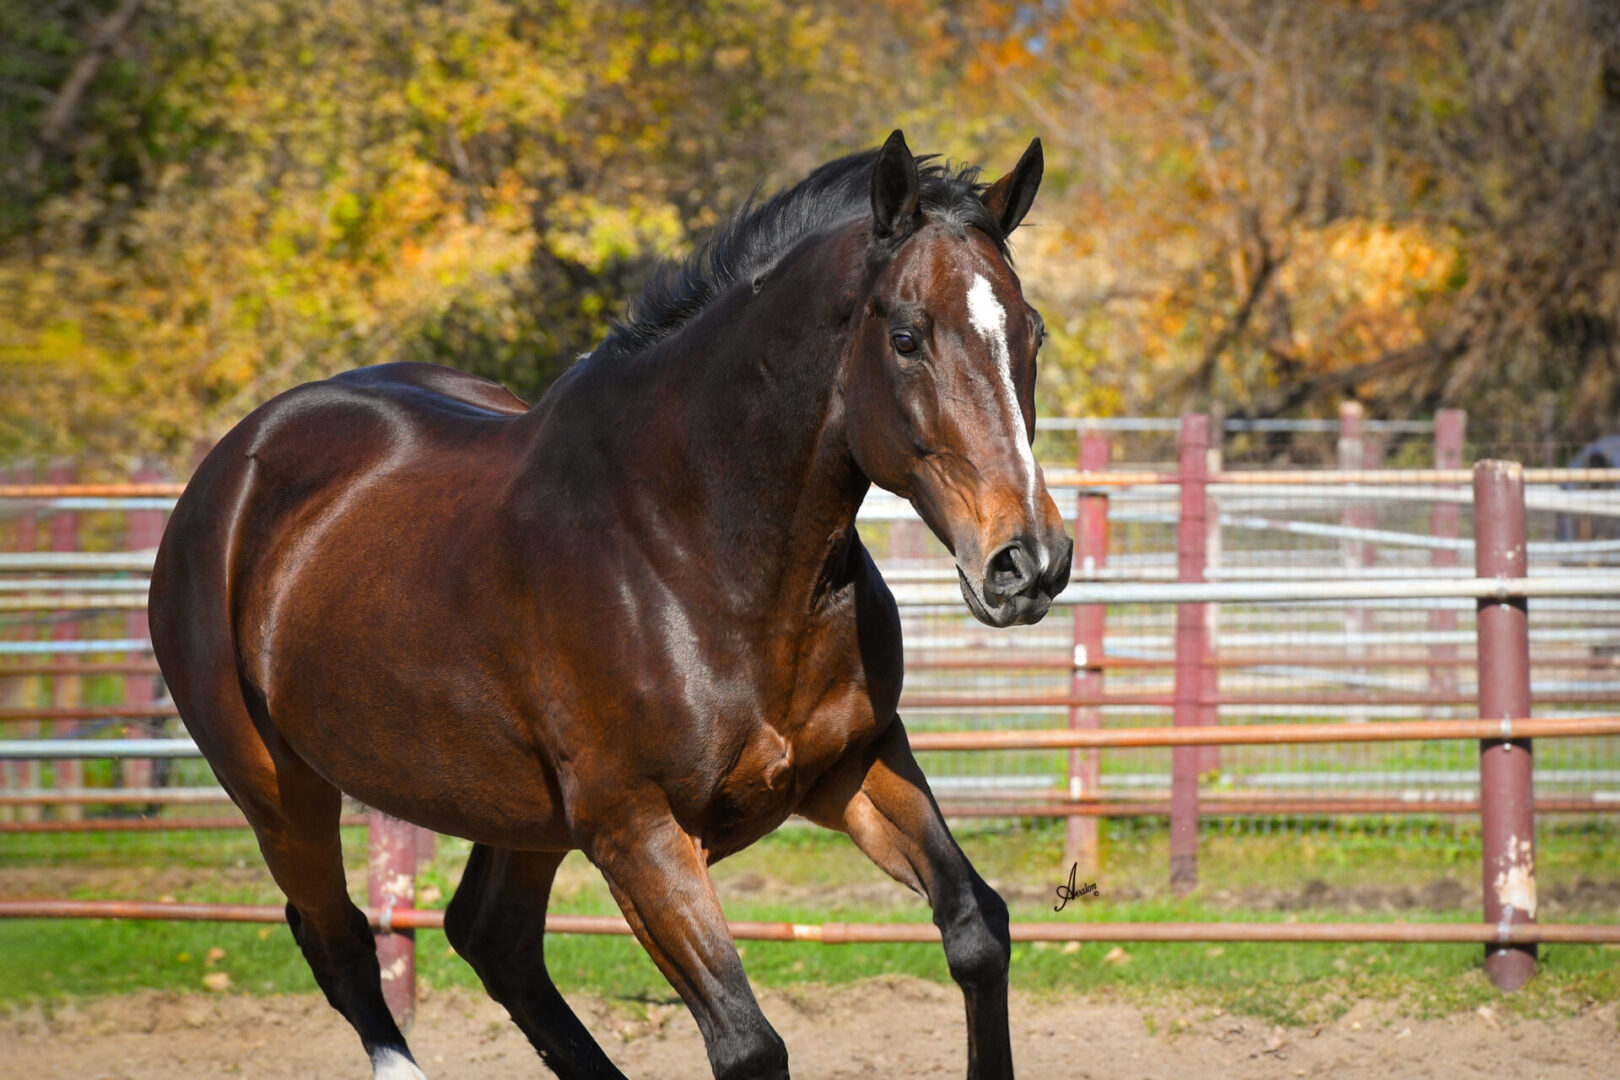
[
  {"x": 1204, "y": 374},
  {"x": 66, "y": 103}
]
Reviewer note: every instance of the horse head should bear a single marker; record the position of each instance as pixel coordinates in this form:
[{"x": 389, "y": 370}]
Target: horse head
[{"x": 940, "y": 392}]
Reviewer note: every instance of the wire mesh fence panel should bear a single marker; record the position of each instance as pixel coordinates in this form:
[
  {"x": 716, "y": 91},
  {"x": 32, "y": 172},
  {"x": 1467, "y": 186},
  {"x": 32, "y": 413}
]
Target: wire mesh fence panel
[{"x": 1305, "y": 662}]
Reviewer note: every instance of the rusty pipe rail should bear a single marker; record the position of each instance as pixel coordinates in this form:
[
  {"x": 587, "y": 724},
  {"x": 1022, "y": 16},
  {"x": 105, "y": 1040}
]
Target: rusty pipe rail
[
  {"x": 996, "y": 702},
  {"x": 1211, "y": 806},
  {"x": 125, "y": 825},
  {"x": 1265, "y": 734},
  {"x": 1034, "y": 739},
  {"x": 834, "y": 933},
  {"x": 1166, "y": 698},
  {"x": 68, "y": 491},
  {"x": 1054, "y": 477}
]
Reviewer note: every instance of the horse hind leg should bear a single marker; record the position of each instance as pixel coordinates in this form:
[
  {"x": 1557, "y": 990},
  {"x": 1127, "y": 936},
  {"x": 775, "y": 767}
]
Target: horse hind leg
[
  {"x": 496, "y": 921},
  {"x": 304, "y": 853},
  {"x": 295, "y": 815}
]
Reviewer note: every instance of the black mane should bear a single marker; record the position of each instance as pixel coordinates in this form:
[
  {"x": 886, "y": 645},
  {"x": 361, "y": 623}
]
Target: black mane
[{"x": 758, "y": 236}]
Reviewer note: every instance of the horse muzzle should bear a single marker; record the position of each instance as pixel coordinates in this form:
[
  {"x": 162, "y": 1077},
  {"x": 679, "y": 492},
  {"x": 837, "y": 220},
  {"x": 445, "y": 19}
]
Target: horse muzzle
[{"x": 1016, "y": 585}]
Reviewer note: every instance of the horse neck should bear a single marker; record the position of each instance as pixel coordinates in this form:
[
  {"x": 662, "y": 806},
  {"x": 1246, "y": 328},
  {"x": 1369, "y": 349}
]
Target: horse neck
[{"x": 752, "y": 447}]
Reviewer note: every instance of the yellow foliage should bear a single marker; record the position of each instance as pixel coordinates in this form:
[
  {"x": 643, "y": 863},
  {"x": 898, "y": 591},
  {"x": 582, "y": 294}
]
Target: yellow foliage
[{"x": 323, "y": 182}]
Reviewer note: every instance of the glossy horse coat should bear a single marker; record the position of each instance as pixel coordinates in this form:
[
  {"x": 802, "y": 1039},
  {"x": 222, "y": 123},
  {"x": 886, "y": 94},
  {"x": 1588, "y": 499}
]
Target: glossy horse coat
[{"x": 635, "y": 619}]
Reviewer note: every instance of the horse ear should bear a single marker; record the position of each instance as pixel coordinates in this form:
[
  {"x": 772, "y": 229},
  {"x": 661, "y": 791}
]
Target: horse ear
[
  {"x": 894, "y": 189},
  {"x": 1010, "y": 198}
]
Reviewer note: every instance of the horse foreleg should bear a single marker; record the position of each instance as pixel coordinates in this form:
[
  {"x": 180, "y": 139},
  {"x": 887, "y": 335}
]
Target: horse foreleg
[
  {"x": 882, "y": 801},
  {"x": 497, "y": 923},
  {"x": 662, "y": 884}
]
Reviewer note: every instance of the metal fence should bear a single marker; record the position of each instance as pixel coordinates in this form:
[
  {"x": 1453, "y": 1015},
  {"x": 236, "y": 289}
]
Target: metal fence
[
  {"x": 1358, "y": 658},
  {"x": 1255, "y": 585},
  {"x": 74, "y": 663}
]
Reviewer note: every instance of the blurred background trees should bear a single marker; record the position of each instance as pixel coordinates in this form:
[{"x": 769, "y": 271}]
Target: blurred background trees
[{"x": 1260, "y": 204}]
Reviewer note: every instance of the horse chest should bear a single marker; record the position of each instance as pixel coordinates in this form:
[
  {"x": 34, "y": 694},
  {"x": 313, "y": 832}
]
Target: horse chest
[{"x": 829, "y": 713}]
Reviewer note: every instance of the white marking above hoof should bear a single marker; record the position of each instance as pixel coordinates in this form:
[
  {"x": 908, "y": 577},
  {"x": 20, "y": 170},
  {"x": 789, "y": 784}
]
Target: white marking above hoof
[{"x": 393, "y": 1065}]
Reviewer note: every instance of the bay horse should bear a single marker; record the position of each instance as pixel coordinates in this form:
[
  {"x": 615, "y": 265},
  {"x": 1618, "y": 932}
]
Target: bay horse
[{"x": 635, "y": 619}]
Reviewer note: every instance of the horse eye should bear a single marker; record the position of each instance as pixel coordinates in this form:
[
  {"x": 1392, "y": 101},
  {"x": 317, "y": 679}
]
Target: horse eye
[{"x": 904, "y": 342}]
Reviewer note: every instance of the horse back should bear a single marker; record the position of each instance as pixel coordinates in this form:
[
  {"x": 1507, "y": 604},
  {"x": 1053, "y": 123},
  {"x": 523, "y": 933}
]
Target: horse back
[{"x": 447, "y": 383}]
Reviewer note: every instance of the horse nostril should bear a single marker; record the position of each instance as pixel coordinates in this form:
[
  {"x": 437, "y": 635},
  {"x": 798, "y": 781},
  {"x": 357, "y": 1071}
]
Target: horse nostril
[{"x": 1010, "y": 572}]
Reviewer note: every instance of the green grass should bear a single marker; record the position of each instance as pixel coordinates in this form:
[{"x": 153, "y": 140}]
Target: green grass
[
  {"x": 1282, "y": 983},
  {"x": 805, "y": 875}
]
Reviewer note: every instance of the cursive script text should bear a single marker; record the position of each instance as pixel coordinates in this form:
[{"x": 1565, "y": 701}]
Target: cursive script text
[{"x": 1069, "y": 890}]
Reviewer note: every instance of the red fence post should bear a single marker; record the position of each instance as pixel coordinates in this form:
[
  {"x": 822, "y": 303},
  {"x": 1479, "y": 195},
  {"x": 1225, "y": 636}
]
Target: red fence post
[
  {"x": 391, "y": 884},
  {"x": 142, "y": 531},
  {"x": 1091, "y": 554},
  {"x": 1192, "y": 640},
  {"x": 1209, "y": 689},
  {"x": 64, "y": 532},
  {"x": 1506, "y": 797},
  {"x": 1449, "y": 425}
]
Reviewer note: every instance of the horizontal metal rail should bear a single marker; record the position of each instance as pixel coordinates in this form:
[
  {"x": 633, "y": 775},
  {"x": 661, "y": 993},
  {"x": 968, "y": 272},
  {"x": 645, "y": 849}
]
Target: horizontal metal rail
[
  {"x": 1241, "y": 592},
  {"x": 149, "y": 796},
  {"x": 1262, "y": 734},
  {"x": 73, "y": 602},
  {"x": 95, "y": 749},
  {"x": 1587, "y": 694},
  {"x": 88, "y": 712},
  {"x": 852, "y": 933},
  {"x": 1173, "y": 423},
  {"x": 89, "y": 645},
  {"x": 1033, "y": 739},
  {"x": 1092, "y": 478},
  {"x": 988, "y": 661},
  {"x": 141, "y": 824},
  {"x": 1165, "y": 698},
  {"x": 43, "y": 585},
  {"x": 69, "y": 491},
  {"x": 82, "y": 668},
  {"x": 1054, "y": 476},
  {"x": 76, "y": 562},
  {"x": 1277, "y": 592},
  {"x": 1210, "y": 805}
]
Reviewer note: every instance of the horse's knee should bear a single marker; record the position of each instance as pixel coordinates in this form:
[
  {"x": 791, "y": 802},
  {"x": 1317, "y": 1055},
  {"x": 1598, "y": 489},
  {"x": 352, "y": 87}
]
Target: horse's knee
[
  {"x": 755, "y": 1054},
  {"x": 978, "y": 948}
]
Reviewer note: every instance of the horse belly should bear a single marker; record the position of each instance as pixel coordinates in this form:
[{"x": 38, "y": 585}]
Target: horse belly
[{"x": 472, "y": 776}]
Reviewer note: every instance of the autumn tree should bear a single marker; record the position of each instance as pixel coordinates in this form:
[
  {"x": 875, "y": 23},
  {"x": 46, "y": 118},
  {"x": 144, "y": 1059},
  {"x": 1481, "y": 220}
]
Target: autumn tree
[
  {"x": 256, "y": 194},
  {"x": 1270, "y": 205},
  {"x": 1260, "y": 204}
]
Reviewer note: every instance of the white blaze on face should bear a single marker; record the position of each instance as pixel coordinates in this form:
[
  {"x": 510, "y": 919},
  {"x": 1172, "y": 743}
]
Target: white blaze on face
[{"x": 989, "y": 318}]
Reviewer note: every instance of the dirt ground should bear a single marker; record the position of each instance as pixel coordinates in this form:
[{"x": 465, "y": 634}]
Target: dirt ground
[{"x": 890, "y": 1027}]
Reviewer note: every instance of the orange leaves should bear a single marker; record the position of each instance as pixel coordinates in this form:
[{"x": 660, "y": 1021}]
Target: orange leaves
[{"x": 1360, "y": 288}]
